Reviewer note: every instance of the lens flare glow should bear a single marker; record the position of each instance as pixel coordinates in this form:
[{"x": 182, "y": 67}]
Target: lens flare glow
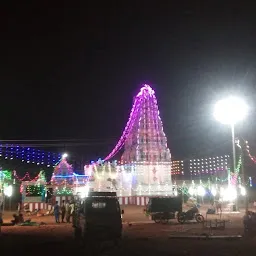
[
  {"x": 8, "y": 191},
  {"x": 242, "y": 191},
  {"x": 230, "y": 110},
  {"x": 200, "y": 191},
  {"x": 82, "y": 192},
  {"x": 214, "y": 191},
  {"x": 191, "y": 191},
  {"x": 230, "y": 194}
]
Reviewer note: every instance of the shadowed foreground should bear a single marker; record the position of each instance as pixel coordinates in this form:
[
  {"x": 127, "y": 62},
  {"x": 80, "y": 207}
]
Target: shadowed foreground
[
  {"x": 137, "y": 240},
  {"x": 141, "y": 238}
]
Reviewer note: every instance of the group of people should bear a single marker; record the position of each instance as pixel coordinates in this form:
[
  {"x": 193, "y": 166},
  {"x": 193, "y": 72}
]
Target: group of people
[
  {"x": 66, "y": 211},
  {"x": 19, "y": 219}
]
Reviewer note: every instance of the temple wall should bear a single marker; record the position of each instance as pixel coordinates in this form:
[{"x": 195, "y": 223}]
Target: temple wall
[
  {"x": 153, "y": 179},
  {"x": 31, "y": 199},
  {"x": 132, "y": 180}
]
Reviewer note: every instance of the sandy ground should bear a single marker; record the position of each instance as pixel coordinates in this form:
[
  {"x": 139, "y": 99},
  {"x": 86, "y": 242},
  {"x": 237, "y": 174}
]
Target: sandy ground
[{"x": 140, "y": 237}]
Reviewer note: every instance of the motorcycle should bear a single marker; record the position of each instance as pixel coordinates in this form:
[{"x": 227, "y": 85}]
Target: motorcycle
[{"x": 192, "y": 214}]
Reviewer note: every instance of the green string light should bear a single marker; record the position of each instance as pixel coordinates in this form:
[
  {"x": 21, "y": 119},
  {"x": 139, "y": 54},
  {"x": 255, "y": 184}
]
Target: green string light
[
  {"x": 6, "y": 175},
  {"x": 35, "y": 190},
  {"x": 64, "y": 191}
]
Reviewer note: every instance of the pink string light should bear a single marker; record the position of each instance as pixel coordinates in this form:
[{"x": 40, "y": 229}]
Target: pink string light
[
  {"x": 144, "y": 91},
  {"x": 253, "y": 158},
  {"x": 26, "y": 177}
]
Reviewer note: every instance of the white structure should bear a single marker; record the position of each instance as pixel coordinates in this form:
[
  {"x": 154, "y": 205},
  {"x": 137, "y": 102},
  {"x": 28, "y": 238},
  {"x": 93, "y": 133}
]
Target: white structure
[{"x": 145, "y": 167}]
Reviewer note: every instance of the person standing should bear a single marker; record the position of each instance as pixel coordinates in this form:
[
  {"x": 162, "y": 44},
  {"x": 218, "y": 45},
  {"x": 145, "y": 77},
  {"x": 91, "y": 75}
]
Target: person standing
[
  {"x": 56, "y": 211},
  {"x": 246, "y": 222},
  {"x": 67, "y": 211},
  {"x": 72, "y": 210},
  {"x": 63, "y": 211},
  {"x": 1, "y": 219}
]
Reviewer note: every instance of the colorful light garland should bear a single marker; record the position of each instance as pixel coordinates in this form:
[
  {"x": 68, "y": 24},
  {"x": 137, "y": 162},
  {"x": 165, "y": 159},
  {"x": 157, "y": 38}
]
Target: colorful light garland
[
  {"x": 64, "y": 191},
  {"x": 5, "y": 175},
  {"x": 253, "y": 158},
  {"x": 26, "y": 177},
  {"x": 177, "y": 167},
  {"x": 143, "y": 135},
  {"x": 35, "y": 190},
  {"x": 146, "y": 140}
]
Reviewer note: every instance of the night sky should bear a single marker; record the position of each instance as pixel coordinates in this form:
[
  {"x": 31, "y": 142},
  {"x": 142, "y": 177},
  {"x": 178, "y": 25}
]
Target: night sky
[{"x": 71, "y": 73}]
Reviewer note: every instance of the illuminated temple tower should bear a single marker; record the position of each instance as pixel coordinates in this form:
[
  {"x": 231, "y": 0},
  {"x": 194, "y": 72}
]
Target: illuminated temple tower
[{"x": 146, "y": 149}]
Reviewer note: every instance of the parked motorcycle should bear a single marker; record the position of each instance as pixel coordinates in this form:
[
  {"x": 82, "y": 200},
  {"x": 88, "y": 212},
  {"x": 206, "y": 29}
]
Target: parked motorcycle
[{"x": 192, "y": 214}]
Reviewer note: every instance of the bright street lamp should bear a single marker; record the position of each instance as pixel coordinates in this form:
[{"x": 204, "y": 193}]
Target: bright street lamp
[{"x": 230, "y": 111}]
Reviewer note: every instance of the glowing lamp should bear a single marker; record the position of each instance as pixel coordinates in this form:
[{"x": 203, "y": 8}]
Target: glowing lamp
[
  {"x": 8, "y": 191},
  {"x": 230, "y": 110},
  {"x": 200, "y": 191},
  {"x": 65, "y": 155},
  {"x": 242, "y": 191},
  {"x": 230, "y": 194},
  {"x": 213, "y": 191},
  {"x": 191, "y": 191},
  {"x": 82, "y": 191}
]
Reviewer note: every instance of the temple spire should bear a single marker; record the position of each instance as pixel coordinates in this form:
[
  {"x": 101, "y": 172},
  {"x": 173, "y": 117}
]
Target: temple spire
[{"x": 146, "y": 140}]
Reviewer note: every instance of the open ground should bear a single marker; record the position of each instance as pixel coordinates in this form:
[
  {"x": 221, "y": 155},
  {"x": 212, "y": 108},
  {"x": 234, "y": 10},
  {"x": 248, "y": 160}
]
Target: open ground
[{"x": 140, "y": 237}]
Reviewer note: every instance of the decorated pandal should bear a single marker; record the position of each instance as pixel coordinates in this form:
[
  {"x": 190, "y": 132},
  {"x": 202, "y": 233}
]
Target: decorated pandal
[
  {"x": 64, "y": 184},
  {"x": 65, "y": 181}
]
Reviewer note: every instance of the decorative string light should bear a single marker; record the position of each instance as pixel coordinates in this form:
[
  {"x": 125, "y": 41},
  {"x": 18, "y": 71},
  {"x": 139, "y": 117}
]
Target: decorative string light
[
  {"x": 126, "y": 131},
  {"x": 35, "y": 190},
  {"x": 209, "y": 165},
  {"x": 5, "y": 175},
  {"x": 250, "y": 181},
  {"x": 253, "y": 158},
  {"x": 177, "y": 167},
  {"x": 64, "y": 191},
  {"x": 235, "y": 175},
  {"x": 29, "y": 155},
  {"x": 26, "y": 177},
  {"x": 144, "y": 115}
]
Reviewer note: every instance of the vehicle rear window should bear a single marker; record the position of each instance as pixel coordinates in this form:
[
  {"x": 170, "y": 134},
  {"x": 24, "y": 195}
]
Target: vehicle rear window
[{"x": 98, "y": 205}]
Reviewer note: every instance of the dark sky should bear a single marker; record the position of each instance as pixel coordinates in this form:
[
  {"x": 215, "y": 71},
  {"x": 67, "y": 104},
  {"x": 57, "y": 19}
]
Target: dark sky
[{"x": 72, "y": 72}]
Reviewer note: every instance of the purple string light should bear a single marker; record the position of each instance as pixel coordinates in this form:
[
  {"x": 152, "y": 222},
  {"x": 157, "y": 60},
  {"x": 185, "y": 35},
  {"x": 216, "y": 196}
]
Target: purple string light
[{"x": 144, "y": 91}]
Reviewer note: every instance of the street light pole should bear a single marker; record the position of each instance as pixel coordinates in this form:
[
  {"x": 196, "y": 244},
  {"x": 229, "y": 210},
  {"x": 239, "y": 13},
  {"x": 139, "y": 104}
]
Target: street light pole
[
  {"x": 233, "y": 152},
  {"x": 230, "y": 111},
  {"x": 234, "y": 162}
]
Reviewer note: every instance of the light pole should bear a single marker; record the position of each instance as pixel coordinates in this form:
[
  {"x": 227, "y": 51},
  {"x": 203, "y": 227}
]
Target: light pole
[{"x": 230, "y": 111}]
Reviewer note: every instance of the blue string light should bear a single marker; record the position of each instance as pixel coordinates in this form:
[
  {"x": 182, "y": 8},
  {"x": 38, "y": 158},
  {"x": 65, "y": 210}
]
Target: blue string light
[
  {"x": 71, "y": 176},
  {"x": 29, "y": 155}
]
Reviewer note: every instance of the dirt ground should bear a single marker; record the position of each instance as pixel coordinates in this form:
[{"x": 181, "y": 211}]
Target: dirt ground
[{"x": 140, "y": 237}]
